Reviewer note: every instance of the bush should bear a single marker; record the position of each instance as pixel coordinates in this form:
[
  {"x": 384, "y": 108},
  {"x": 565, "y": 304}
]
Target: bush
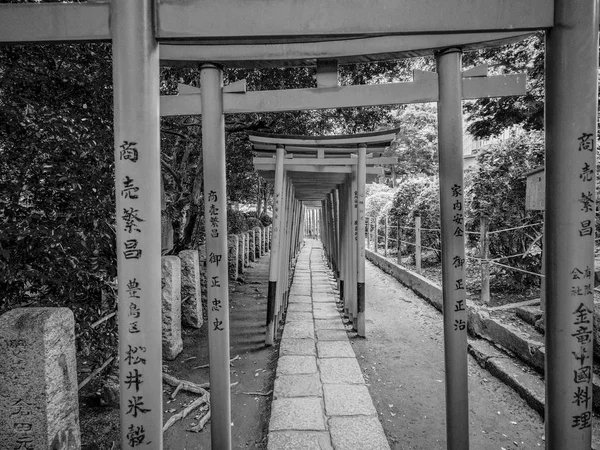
[
  {"x": 376, "y": 188},
  {"x": 57, "y": 210},
  {"x": 417, "y": 195},
  {"x": 404, "y": 198},
  {"x": 253, "y": 222},
  {"x": 427, "y": 205},
  {"x": 236, "y": 222},
  {"x": 265, "y": 219},
  {"x": 497, "y": 190},
  {"x": 375, "y": 203}
]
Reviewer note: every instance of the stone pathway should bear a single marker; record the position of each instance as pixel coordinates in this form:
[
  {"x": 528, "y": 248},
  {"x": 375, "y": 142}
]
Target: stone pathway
[{"x": 320, "y": 399}]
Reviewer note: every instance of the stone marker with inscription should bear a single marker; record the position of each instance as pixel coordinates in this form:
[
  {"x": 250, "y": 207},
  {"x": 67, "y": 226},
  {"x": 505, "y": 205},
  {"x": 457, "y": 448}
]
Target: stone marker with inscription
[
  {"x": 252, "y": 246},
  {"x": 241, "y": 246},
  {"x": 232, "y": 258},
  {"x": 39, "y": 406},
  {"x": 171, "y": 307},
  {"x": 191, "y": 296},
  {"x": 257, "y": 242}
]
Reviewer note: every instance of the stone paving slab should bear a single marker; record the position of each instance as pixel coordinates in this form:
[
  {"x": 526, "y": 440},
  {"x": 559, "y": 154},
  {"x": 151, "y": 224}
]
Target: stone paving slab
[
  {"x": 348, "y": 400},
  {"x": 303, "y": 385},
  {"x": 335, "y": 349},
  {"x": 326, "y": 307},
  {"x": 323, "y": 297},
  {"x": 322, "y": 289},
  {"x": 299, "y": 330},
  {"x": 299, "y": 413},
  {"x": 294, "y": 365},
  {"x": 299, "y": 316},
  {"x": 329, "y": 324},
  {"x": 331, "y": 335},
  {"x": 292, "y": 346},
  {"x": 340, "y": 370},
  {"x": 299, "y": 440},
  {"x": 300, "y": 290},
  {"x": 357, "y": 433},
  {"x": 295, "y": 298},
  {"x": 306, "y": 307},
  {"x": 327, "y": 314}
]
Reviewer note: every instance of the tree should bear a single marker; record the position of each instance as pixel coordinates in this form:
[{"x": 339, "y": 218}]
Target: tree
[
  {"x": 497, "y": 190},
  {"x": 490, "y": 116},
  {"x": 57, "y": 239},
  {"x": 181, "y": 136},
  {"x": 417, "y": 195},
  {"x": 415, "y": 145},
  {"x": 375, "y": 203}
]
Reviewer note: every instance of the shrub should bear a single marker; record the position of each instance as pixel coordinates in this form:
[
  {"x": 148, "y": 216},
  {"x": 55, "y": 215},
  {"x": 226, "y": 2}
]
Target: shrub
[
  {"x": 427, "y": 205},
  {"x": 253, "y": 222},
  {"x": 404, "y": 198},
  {"x": 376, "y": 188},
  {"x": 498, "y": 190},
  {"x": 375, "y": 203},
  {"x": 265, "y": 219},
  {"x": 236, "y": 222},
  {"x": 57, "y": 210}
]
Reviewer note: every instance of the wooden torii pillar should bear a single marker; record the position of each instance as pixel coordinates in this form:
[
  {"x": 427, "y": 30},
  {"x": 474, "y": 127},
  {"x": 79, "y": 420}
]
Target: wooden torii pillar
[{"x": 571, "y": 131}]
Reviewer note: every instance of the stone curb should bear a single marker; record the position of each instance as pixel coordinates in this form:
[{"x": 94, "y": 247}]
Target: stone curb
[{"x": 528, "y": 384}]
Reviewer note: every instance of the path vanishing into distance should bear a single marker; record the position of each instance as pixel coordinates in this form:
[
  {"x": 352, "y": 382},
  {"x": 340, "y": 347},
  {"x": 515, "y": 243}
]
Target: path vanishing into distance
[{"x": 402, "y": 364}]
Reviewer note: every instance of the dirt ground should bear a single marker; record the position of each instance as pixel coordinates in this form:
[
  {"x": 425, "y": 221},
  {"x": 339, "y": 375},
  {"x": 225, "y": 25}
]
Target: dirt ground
[
  {"x": 403, "y": 362},
  {"x": 402, "y": 358},
  {"x": 253, "y": 372}
]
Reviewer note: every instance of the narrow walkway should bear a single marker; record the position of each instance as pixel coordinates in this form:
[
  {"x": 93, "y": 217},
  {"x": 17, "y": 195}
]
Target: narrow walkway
[{"x": 320, "y": 399}]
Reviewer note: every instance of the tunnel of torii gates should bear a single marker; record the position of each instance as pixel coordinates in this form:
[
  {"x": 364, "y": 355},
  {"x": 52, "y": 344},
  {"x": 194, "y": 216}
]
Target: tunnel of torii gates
[
  {"x": 212, "y": 34},
  {"x": 329, "y": 172}
]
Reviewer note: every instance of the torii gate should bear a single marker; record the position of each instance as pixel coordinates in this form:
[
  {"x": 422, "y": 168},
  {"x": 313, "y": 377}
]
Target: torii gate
[
  {"x": 317, "y": 168},
  {"x": 232, "y": 32}
]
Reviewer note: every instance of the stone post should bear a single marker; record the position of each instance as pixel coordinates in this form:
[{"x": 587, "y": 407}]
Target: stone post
[
  {"x": 233, "y": 243},
  {"x": 241, "y": 244},
  {"x": 191, "y": 292},
  {"x": 172, "y": 344},
  {"x": 39, "y": 406},
  {"x": 257, "y": 243},
  {"x": 261, "y": 242},
  {"x": 252, "y": 246},
  {"x": 203, "y": 282},
  {"x": 247, "y": 249},
  {"x": 267, "y": 238}
]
